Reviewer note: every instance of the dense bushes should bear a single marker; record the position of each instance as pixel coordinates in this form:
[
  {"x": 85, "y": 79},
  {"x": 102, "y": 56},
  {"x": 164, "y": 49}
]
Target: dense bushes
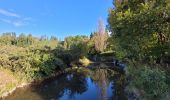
[
  {"x": 33, "y": 58},
  {"x": 151, "y": 82},
  {"x": 28, "y": 55},
  {"x": 30, "y": 62}
]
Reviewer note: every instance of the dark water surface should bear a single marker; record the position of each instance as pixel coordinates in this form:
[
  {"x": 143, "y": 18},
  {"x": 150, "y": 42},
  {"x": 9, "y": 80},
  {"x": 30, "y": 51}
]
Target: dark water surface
[{"x": 83, "y": 84}]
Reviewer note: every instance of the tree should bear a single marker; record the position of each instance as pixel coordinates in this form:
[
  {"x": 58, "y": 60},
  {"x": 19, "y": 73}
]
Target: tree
[
  {"x": 30, "y": 39},
  {"x": 72, "y": 40},
  {"x": 43, "y": 38},
  {"x": 22, "y": 40},
  {"x": 100, "y": 38},
  {"x": 138, "y": 29},
  {"x": 53, "y": 38},
  {"x": 14, "y": 38},
  {"x": 8, "y": 38}
]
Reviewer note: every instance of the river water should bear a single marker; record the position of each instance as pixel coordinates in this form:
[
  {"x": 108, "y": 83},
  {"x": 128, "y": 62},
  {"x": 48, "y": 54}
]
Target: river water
[{"x": 82, "y": 84}]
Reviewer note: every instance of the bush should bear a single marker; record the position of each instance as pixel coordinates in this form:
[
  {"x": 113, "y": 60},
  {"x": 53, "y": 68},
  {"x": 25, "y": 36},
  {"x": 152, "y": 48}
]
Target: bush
[
  {"x": 152, "y": 83},
  {"x": 29, "y": 63}
]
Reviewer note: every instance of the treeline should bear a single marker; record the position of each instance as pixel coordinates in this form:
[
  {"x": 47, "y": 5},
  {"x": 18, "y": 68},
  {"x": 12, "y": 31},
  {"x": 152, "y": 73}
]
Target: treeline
[
  {"x": 32, "y": 57},
  {"x": 27, "y": 55},
  {"x": 10, "y": 38},
  {"x": 140, "y": 34}
]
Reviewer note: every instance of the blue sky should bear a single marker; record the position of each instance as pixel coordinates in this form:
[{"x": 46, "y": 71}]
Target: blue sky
[{"x": 59, "y": 18}]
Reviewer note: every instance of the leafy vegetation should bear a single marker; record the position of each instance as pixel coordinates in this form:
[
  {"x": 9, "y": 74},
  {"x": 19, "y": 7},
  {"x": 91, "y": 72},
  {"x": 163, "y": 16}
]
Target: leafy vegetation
[
  {"x": 141, "y": 35},
  {"x": 38, "y": 57},
  {"x": 149, "y": 83},
  {"x": 30, "y": 58}
]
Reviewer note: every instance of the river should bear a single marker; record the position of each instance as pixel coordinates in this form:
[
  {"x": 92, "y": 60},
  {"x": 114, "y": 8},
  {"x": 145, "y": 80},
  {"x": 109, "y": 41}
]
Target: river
[{"x": 83, "y": 84}]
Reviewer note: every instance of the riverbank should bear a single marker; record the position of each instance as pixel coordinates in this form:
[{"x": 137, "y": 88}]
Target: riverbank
[
  {"x": 83, "y": 83},
  {"x": 29, "y": 68},
  {"x": 148, "y": 82},
  {"x": 9, "y": 83}
]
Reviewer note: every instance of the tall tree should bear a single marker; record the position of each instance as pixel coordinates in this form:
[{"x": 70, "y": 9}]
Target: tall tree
[
  {"x": 100, "y": 37},
  {"x": 142, "y": 30}
]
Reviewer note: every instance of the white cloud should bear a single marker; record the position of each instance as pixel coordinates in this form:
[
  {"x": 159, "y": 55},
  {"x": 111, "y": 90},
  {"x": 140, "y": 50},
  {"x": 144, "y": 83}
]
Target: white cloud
[
  {"x": 13, "y": 18},
  {"x": 16, "y": 23},
  {"x": 8, "y": 13}
]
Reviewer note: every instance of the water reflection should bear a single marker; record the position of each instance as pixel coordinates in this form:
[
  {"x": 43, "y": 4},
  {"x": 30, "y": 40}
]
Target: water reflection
[
  {"x": 118, "y": 87},
  {"x": 104, "y": 78},
  {"x": 83, "y": 84},
  {"x": 101, "y": 80}
]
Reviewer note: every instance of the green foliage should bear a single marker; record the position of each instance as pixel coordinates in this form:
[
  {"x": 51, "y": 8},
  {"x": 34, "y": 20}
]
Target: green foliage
[
  {"x": 78, "y": 50},
  {"x": 91, "y": 45},
  {"x": 141, "y": 32},
  {"x": 151, "y": 82},
  {"x": 33, "y": 57},
  {"x": 8, "y": 38},
  {"x": 75, "y": 47},
  {"x": 136, "y": 31},
  {"x": 27, "y": 40},
  {"x": 72, "y": 40},
  {"x": 30, "y": 62},
  {"x": 63, "y": 54},
  {"x": 29, "y": 57}
]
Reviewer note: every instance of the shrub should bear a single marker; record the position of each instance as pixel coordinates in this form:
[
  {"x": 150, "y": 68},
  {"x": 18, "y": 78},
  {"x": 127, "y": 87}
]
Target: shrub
[{"x": 150, "y": 82}]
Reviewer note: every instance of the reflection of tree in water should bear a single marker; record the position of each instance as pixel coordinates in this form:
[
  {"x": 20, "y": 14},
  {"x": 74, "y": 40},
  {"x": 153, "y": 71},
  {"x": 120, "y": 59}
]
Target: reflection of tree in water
[
  {"x": 65, "y": 84},
  {"x": 77, "y": 85},
  {"x": 118, "y": 87},
  {"x": 100, "y": 78},
  {"x": 103, "y": 77}
]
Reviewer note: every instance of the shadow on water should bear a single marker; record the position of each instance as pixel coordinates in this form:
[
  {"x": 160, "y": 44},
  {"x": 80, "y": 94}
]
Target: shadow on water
[{"x": 83, "y": 84}]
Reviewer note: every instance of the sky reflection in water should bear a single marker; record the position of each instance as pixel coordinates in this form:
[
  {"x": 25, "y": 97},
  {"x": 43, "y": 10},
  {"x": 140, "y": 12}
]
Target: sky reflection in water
[{"x": 84, "y": 84}]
